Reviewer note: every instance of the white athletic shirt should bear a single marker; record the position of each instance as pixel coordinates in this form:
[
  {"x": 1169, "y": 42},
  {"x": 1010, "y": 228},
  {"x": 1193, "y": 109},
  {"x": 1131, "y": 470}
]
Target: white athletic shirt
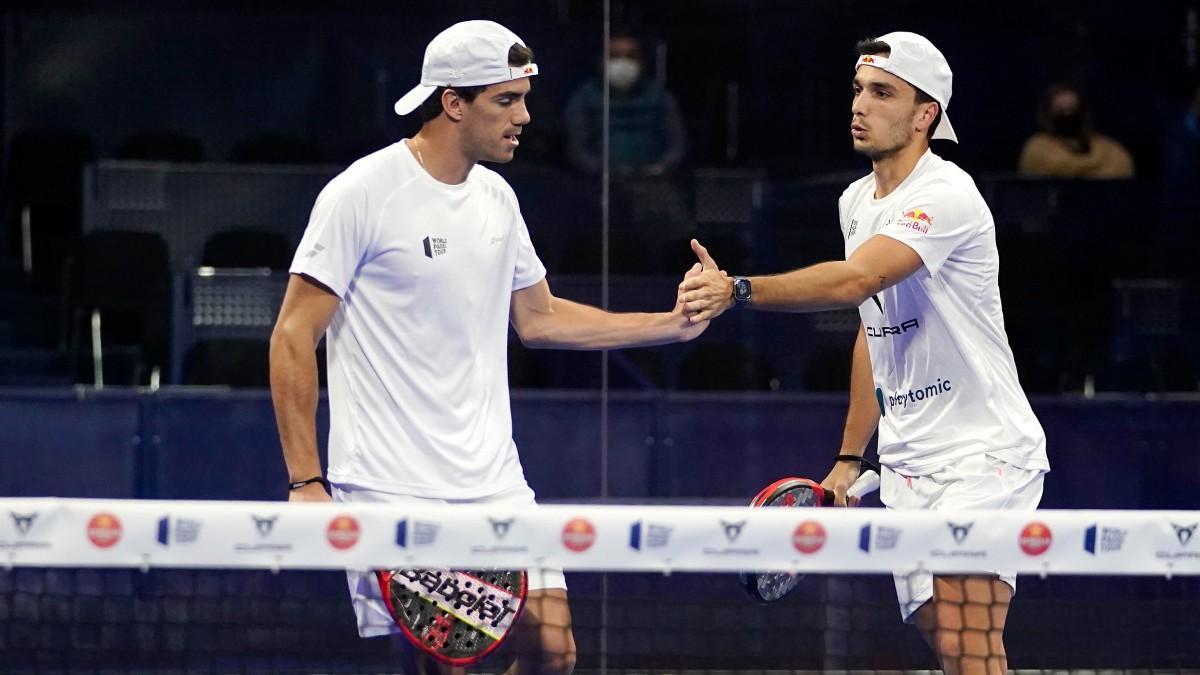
[
  {"x": 944, "y": 374},
  {"x": 417, "y": 350}
]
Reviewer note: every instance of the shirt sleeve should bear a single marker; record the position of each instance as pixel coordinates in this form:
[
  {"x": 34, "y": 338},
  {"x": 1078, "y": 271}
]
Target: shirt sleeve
[
  {"x": 935, "y": 222},
  {"x": 335, "y": 241},
  {"x": 528, "y": 269}
]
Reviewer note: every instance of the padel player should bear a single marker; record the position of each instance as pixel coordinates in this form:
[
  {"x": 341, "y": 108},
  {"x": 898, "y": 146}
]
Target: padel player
[
  {"x": 413, "y": 264},
  {"x": 931, "y": 367}
]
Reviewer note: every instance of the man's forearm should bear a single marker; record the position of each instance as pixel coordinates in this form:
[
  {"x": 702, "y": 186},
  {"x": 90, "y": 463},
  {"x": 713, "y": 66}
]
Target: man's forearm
[
  {"x": 828, "y": 285},
  {"x": 863, "y": 416},
  {"x": 294, "y": 390},
  {"x": 571, "y": 325}
]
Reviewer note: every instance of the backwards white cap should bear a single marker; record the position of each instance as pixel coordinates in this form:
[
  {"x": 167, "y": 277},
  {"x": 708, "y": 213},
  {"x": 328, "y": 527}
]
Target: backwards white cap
[
  {"x": 915, "y": 60},
  {"x": 467, "y": 54}
]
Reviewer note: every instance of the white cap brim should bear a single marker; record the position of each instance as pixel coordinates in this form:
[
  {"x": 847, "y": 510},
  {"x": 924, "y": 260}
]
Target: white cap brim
[
  {"x": 944, "y": 130},
  {"x": 415, "y": 97}
]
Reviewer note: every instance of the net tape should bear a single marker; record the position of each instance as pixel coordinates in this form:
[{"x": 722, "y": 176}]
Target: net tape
[{"x": 52, "y": 532}]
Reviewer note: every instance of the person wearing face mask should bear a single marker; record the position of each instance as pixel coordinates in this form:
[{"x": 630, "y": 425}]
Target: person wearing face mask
[
  {"x": 1067, "y": 145},
  {"x": 647, "y": 135}
]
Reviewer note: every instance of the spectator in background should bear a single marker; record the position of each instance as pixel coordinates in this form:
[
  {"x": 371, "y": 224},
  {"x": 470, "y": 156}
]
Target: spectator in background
[
  {"x": 1067, "y": 145},
  {"x": 1181, "y": 167},
  {"x": 646, "y": 131}
]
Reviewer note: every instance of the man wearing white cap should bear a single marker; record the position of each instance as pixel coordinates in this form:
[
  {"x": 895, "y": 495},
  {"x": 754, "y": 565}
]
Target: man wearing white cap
[
  {"x": 932, "y": 369},
  {"x": 414, "y": 263}
]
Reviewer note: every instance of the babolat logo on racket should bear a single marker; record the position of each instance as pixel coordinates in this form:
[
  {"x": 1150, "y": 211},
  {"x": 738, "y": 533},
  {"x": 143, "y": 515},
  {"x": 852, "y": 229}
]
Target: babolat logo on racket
[
  {"x": 960, "y": 532},
  {"x": 23, "y": 524},
  {"x": 481, "y": 605},
  {"x": 655, "y": 535},
  {"x": 264, "y": 529},
  {"x": 1184, "y": 535},
  {"x": 885, "y": 539},
  {"x": 422, "y": 533},
  {"x": 182, "y": 531},
  {"x": 732, "y": 531},
  {"x": 1097, "y": 539}
]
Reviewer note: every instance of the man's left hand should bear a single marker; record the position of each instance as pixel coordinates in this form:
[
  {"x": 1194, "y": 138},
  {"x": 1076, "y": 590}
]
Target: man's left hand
[
  {"x": 709, "y": 293},
  {"x": 689, "y": 329}
]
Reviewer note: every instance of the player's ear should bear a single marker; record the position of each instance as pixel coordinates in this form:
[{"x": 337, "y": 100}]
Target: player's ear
[{"x": 452, "y": 105}]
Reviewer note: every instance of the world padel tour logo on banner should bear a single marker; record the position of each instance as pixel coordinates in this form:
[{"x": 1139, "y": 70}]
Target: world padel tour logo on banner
[
  {"x": 960, "y": 534},
  {"x": 731, "y": 530},
  {"x": 1098, "y": 539},
  {"x": 652, "y": 535},
  {"x": 1185, "y": 537},
  {"x": 22, "y": 525},
  {"x": 420, "y": 534},
  {"x": 1035, "y": 538},
  {"x": 263, "y": 530},
  {"x": 104, "y": 530},
  {"x": 343, "y": 532},
  {"x": 578, "y": 535},
  {"x": 808, "y": 537},
  {"x": 886, "y": 538},
  {"x": 501, "y": 528},
  {"x": 182, "y": 531}
]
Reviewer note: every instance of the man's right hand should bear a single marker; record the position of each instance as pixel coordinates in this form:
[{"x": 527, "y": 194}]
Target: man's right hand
[
  {"x": 313, "y": 492},
  {"x": 839, "y": 480}
]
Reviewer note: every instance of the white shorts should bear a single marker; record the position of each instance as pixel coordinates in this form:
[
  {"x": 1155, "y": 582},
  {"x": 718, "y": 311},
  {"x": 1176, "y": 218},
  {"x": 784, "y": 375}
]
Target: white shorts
[
  {"x": 978, "y": 482},
  {"x": 373, "y": 617}
]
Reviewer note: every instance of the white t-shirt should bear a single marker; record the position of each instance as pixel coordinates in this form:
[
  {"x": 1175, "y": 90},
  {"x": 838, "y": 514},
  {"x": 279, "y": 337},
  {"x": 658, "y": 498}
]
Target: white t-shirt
[
  {"x": 944, "y": 374},
  {"x": 417, "y": 350}
]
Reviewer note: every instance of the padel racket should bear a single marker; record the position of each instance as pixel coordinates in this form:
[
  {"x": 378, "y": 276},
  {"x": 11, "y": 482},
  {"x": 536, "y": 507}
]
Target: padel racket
[
  {"x": 771, "y": 586},
  {"x": 456, "y": 616}
]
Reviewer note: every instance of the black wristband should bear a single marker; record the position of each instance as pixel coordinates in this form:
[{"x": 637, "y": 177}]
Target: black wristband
[
  {"x": 301, "y": 483},
  {"x": 862, "y": 461}
]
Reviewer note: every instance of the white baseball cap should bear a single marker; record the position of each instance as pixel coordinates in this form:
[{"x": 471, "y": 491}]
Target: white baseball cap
[
  {"x": 915, "y": 60},
  {"x": 467, "y": 54}
]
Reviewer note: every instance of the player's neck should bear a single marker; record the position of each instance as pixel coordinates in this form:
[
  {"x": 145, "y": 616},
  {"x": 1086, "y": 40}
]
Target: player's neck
[
  {"x": 891, "y": 170},
  {"x": 438, "y": 154}
]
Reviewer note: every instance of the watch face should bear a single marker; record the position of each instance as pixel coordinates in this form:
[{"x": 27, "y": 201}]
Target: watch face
[{"x": 741, "y": 289}]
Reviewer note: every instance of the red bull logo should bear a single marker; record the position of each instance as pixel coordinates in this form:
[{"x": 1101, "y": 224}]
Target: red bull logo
[
  {"x": 528, "y": 70},
  {"x": 104, "y": 530},
  {"x": 343, "y": 532},
  {"x": 917, "y": 219},
  {"x": 868, "y": 59},
  {"x": 809, "y": 537},
  {"x": 578, "y": 535},
  {"x": 1035, "y": 538}
]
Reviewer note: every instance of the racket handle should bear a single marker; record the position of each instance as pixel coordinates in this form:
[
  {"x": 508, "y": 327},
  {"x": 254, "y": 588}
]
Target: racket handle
[{"x": 867, "y": 483}]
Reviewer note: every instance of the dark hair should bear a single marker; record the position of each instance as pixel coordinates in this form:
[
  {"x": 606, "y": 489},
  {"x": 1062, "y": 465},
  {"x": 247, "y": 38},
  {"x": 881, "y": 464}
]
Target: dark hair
[
  {"x": 876, "y": 48},
  {"x": 518, "y": 55}
]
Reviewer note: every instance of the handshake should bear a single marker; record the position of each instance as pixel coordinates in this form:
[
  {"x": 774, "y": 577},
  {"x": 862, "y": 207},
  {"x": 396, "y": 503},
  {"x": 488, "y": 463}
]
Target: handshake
[{"x": 706, "y": 290}]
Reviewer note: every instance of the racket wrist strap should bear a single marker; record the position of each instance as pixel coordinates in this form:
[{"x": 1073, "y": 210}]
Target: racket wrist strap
[
  {"x": 301, "y": 483},
  {"x": 862, "y": 461}
]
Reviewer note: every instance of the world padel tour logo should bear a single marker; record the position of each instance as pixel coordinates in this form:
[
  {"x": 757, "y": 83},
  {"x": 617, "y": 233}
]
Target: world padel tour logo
[
  {"x": 104, "y": 530},
  {"x": 420, "y": 534},
  {"x": 886, "y": 538},
  {"x": 1098, "y": 539},
  {"x": 808, "y": 537},
  {"x": 181, "y": 531},
  {"x": 652, "y": 535},
  {"x": 1035, "y": 538},
  {"x": 578, "y": 535},
  {"x": 343, "y": 532}
]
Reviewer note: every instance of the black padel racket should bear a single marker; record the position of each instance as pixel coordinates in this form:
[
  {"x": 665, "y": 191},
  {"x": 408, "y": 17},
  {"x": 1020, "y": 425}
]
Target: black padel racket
[
  {"x": 456, "y": 616},
  {"x": 793, "y": 492}
]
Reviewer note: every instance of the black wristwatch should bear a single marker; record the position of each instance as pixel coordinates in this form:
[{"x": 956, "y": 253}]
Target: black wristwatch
[{"x": 741, "y": 291}]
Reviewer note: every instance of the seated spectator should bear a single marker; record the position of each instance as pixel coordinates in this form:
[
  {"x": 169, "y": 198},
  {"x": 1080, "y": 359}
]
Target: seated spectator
[
  {"x": 1067, "y": 145},
  {"x": 646, "y": 133}
]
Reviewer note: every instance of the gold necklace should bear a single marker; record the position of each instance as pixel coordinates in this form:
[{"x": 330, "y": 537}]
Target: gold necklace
[{"x": 418, "y": 151}]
